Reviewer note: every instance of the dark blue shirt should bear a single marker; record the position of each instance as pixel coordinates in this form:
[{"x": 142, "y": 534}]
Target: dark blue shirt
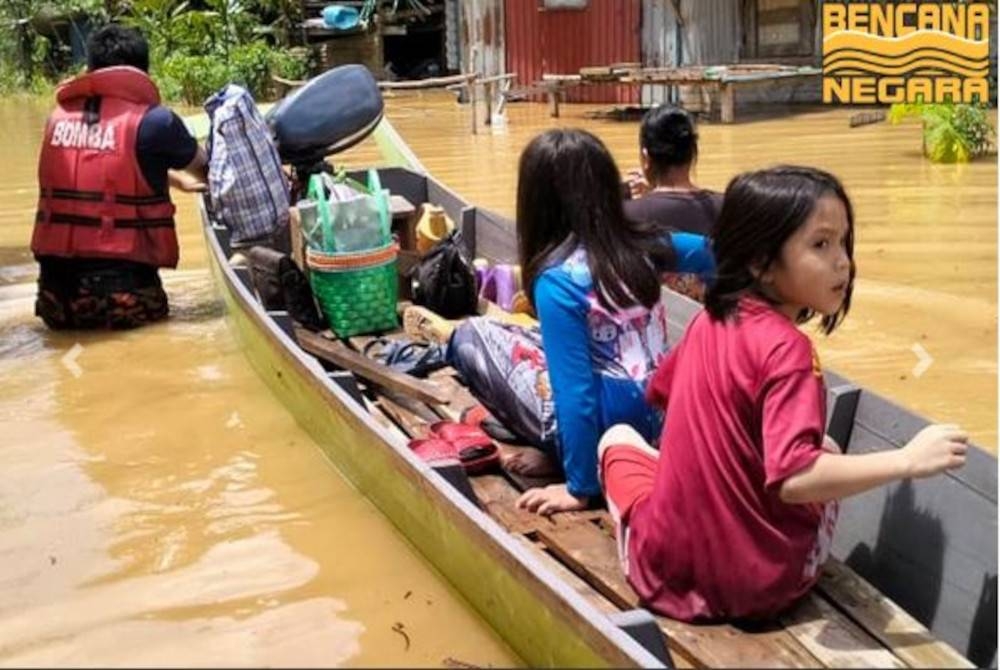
[{"x": 163, "y": 143}]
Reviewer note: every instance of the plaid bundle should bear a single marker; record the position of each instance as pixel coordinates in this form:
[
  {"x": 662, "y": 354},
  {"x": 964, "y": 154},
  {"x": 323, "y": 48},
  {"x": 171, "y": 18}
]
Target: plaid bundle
[{"x": 248, "y": 191}]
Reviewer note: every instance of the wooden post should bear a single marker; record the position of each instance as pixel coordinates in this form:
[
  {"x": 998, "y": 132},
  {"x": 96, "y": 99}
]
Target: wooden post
[
  {"x": 295, "y": 231},
  {"x": 473, "y": 104},
  {"x": 553, "y": 94},
  {"x": 472, "y": 87},
  {"x": 728, "y": 103},
  {"x": 504, "y": 87},
  {"x": 488, "y": 93}
]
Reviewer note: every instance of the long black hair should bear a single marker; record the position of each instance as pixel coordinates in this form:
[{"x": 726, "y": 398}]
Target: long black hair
[
  {"x": 761, "y": 210},
  {"x": 668, "y": 135},
  {"x": 569, "y": 196}
]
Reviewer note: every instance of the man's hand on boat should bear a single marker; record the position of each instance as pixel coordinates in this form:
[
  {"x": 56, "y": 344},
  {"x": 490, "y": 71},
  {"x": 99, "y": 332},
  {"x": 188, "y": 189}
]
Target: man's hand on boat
[
  {"x": 187, "y": 182},
  {"x": 551, "y": 499},
  {"x": 193, "y": 178}
]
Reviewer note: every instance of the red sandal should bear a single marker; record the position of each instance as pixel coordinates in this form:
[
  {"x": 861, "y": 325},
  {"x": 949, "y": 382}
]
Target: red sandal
[
  {"x": 478, "y": 415},
  {"x": 434, "y": 449},
  {"x": 473, "y": 447}
]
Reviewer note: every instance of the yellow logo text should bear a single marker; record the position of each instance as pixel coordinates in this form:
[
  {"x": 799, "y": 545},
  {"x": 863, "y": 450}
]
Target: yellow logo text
[{"x": 883, "y": 53}]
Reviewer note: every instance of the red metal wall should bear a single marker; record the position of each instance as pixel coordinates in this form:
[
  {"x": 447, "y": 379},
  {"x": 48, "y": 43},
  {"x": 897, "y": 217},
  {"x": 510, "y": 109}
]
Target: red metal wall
[{"x": 562, "y": 41}]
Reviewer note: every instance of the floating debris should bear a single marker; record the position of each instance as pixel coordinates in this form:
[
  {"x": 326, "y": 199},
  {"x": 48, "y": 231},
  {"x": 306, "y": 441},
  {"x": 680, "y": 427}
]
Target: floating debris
[{"x": 398, "y": 628}]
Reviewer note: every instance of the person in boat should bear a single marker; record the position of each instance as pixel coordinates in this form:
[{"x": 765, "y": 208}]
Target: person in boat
[
  {"x": 105, "y": 221},
  {"x": 733, "y": 517},
  {"x": 663, "y": 193},
  {"x": 592, "y": 276}
]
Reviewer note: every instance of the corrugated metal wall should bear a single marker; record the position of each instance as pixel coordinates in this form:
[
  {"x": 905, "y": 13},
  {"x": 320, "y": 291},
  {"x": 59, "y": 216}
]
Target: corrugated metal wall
[
  {"x": 660, "y": 35},
  {"x": 483, "y": 33},
  {"x": 452, "y": 38},
  {"x": 562, "y": 41},
  {"x": 710, "y": 33},
  {"x": 707, "y": 32}
]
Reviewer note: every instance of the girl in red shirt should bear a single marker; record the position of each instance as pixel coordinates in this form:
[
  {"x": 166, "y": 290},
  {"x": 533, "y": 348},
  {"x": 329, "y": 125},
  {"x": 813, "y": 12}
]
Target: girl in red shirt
[{"x": 734, "y": 516}]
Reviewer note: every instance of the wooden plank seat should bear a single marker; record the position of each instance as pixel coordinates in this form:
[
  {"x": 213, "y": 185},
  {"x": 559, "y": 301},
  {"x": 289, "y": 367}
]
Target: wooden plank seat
[{"x": 844, "y": 622}]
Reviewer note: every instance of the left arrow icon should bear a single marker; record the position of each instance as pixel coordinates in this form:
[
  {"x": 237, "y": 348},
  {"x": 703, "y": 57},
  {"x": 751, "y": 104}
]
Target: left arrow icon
[{"x": 69, "y": 360}]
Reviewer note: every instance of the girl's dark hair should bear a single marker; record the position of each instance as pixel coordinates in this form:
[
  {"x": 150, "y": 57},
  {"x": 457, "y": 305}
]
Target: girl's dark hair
[
  {"x": 115, "y": 44},
  {"x": 761, "y": 210},
  {"x": 569, "y": 196},
  {"x": 668, "y": 135}
]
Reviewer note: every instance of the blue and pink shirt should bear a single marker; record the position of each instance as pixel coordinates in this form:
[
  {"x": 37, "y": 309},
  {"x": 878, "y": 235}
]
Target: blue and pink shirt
[{"x": 599, "y": 359}]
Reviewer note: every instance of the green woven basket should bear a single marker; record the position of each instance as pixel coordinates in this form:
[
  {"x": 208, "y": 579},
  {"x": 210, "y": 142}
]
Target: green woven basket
[{"x": 358, "y": 300}]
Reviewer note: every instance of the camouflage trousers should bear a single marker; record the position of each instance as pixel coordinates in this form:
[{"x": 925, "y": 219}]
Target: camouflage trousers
[{"x": 103, "y": 300}]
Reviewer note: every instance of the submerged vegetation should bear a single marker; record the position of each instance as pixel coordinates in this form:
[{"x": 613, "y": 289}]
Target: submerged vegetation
[
  {"x": 196, "y": 46},
  {"x": 952, "y": 133}
]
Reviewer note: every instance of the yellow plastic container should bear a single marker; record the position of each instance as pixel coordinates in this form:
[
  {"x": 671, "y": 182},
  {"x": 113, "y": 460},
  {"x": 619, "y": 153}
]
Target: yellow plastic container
[{"x": 433, "y": 226}]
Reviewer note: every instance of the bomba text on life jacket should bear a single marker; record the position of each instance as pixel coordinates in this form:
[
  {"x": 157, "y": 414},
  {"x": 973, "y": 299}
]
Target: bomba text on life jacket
[{"x": 80, "y": 135}]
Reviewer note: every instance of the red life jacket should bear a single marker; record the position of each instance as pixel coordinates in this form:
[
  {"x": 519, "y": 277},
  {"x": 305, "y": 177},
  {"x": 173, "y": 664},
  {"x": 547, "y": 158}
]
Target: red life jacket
[{"x": 94, "y": 201}]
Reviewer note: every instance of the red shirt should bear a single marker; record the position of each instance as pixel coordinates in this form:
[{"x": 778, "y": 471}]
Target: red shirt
[{"x": 745, "y": 409}]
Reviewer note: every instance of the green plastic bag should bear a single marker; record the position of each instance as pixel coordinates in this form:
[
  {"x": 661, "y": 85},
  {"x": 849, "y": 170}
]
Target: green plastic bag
[{"x": 353, "y": 218}]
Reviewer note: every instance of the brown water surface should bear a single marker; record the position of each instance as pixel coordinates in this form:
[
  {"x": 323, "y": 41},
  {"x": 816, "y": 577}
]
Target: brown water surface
[{"x": 159, "y": 507}]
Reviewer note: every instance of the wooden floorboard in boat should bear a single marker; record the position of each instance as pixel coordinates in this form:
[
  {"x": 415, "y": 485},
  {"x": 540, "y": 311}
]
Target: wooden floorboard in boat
[
  {"x": 835, "y": 639},
  {"x": 885, "y": 620},
  {"x": 585, "y": 550}
]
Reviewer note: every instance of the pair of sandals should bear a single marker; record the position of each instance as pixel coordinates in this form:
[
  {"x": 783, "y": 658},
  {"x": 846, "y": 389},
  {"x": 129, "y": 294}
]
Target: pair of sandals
[
  {"x": 415, "y": 358},
  {"x": 450, "y": 441}
]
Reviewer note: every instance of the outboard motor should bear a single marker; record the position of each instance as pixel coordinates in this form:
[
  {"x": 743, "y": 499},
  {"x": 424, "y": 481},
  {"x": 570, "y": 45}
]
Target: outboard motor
[{"x": 329, "y": 114}]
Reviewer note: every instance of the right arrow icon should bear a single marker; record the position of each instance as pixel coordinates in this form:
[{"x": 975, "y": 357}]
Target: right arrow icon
[{"x": 924, "y": 360}]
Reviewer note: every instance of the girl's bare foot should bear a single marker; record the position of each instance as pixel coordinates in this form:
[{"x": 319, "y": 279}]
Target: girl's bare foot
[{"x": 527, "y": 462}]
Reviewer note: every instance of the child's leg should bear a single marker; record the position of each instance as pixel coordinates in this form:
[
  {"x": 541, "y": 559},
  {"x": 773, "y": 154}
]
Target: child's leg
[
  {"x": 528, "y": 462},
  {"x": 506, "y": 371},
  {"x": 627, "y": 469}
]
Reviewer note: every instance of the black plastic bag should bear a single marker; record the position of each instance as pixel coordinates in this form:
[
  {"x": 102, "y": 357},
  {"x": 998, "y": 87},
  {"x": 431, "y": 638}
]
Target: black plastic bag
[{"x": 444, "y": 280}]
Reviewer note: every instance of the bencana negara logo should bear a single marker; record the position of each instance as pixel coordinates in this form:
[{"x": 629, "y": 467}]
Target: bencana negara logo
[{"x": 889, "y": 52}]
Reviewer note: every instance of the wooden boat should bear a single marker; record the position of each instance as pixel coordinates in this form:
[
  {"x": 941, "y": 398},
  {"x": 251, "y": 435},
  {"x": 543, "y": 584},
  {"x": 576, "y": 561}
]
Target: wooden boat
[{"x": 907, "y": 557}]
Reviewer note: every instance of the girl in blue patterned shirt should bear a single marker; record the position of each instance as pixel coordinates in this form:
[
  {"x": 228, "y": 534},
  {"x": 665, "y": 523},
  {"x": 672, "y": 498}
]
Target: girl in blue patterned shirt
[{"x": 594, "y": 279}]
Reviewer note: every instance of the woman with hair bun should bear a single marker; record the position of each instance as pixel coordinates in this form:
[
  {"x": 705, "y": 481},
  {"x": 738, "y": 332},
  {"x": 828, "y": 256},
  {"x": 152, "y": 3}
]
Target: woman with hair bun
[{"x": 664, "y": 194}]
